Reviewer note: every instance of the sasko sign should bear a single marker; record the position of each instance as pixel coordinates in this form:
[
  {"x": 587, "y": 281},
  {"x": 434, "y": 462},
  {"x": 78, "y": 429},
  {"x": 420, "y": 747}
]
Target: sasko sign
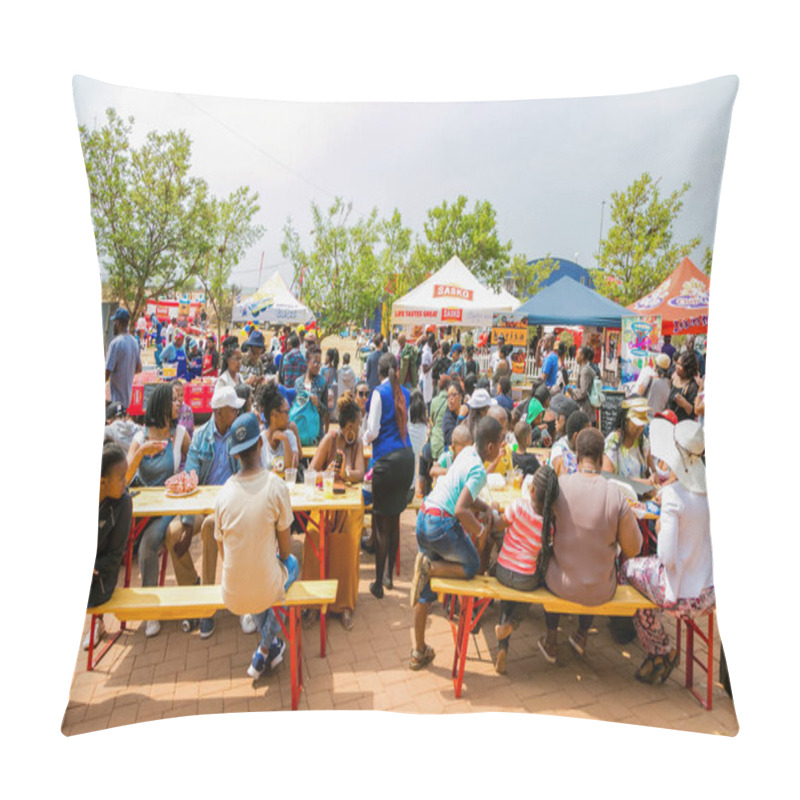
[
  {"x": 451, "y": 315},
  {"x": 440, "y": 290}
]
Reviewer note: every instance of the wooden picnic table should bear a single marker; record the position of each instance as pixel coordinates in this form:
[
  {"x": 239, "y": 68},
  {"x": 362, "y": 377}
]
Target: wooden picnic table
[
  {"x": 308, "y": 450},
  {"x": 154, "y": 502}
]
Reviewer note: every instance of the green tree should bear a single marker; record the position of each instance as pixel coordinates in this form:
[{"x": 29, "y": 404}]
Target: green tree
[
  {"x": 340, "y": 273},
  {"x": 708, "y": 256},
  {"x": 149, "y": 215},
  {"x": 527, "y": 277},
  {"x": 638, "y": 252},
  {"x": 230, "y": 230},
  {"x": 451, "y": 230}
]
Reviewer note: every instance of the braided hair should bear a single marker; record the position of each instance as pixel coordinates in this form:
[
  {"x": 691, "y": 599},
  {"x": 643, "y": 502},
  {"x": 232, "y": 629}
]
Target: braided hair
[
  {"x": 545, "y": 481},
  {"x": 158, "y": 412},
  {"x": 269, "y": 399},
  {"x": 387, "y": 367}
]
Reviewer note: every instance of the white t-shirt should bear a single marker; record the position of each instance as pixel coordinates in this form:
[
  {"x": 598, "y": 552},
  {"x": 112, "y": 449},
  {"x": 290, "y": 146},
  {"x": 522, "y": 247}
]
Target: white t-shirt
[
  {"x": 427, "y": 377},
  {"x": 418, "y": 434},
  {"x": 247, "y": 516}
]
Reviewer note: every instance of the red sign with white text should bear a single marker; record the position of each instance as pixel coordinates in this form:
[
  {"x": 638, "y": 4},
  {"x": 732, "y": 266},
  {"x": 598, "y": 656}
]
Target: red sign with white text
[
  {"x": 457, "y": 292},
  {"x": 451, "y": 314}
]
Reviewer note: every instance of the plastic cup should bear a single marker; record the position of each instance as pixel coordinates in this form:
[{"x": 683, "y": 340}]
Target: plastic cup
[
  {"x": 310, "y": 480},
  {"x": 327, "y": 483},
  {"x": 290, "y": 476}
]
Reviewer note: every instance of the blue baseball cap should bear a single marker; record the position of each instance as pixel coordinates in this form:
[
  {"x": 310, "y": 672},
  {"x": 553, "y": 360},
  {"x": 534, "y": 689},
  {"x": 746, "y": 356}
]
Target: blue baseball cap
[
  {"x": 121, "y": 314},
  {"x": 245, "y": 432}
]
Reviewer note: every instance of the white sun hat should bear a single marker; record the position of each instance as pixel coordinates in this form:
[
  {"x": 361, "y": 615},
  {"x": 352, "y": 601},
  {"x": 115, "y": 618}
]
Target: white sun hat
[{"x": 682, "y": 447}]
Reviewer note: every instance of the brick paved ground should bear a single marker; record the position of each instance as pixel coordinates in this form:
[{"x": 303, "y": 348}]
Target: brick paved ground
[{"x": 175, "y": 674}]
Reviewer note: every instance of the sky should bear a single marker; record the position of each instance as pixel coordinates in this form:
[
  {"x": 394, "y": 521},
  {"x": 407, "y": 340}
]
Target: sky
[
  {"x": 418, "y": 51},
  {"x": 546, "y": 166}
]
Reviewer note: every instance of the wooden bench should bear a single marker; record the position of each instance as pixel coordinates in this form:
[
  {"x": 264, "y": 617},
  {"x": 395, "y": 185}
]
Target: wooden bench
[
  {"x": 197, "y": 602},
  {"x": 476, "y": 594}
]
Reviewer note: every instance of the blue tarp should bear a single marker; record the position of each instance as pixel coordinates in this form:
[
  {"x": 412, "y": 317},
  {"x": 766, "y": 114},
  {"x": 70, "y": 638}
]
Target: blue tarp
[{"x": 567, "y": 302}]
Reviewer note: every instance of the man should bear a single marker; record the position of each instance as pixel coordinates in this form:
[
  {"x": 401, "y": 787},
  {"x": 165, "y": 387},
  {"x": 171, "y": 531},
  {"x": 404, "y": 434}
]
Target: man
[
  {"x": 175, "y": 354},
  {"x": 407, "y": 363},
  {"x": 209, "y": 457},
  {"x": 495, "y": 354},
  {"x": 252, "y": 522},
  {"x": 210, "y": 357},
  {"x": 252, "y": 368},
  {"x": 141, "y": 330},
  {"x": 427, "y": 366},
  {"x": 451, "y": 516},
  {"x": 668, "y": 347},
  {"x": 691, "y": 347},
  {"x": 171, "y": 328},
  {"x": 123, "y": 359},
  {"x": 293, "y": 364},
  {"x": 550, "y": 363},
  {"x": 562, "y": 406},
  {"x": 373, "y": 358},
  {"x": 441, "y": 365}
]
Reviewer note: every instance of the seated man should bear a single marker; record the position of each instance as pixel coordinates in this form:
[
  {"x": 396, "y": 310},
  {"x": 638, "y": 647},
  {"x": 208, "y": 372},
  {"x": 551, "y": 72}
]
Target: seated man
[
  {"x": 252, "y": 519},
  {"x": 445, "y": 524},
  {"x": 208, "y": 456}
]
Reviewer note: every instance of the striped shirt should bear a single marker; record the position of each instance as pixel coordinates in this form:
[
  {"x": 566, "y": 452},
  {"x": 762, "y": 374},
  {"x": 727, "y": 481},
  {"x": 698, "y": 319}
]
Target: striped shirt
[{"x": 523, "y": 538}]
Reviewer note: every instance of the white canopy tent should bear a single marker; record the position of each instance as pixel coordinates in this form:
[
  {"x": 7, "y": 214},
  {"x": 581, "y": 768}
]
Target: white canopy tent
[
  {"x": 272, "y": 304},
  {"x": 452, "y": 296}
]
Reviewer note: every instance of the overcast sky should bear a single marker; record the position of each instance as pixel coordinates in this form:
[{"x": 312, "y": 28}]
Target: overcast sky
[{"x": 545, "y": 165}]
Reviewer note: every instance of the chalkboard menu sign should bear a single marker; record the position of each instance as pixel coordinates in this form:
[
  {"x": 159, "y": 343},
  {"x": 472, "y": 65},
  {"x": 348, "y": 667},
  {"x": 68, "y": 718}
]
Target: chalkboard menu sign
[{"x": 608, "y": 411}]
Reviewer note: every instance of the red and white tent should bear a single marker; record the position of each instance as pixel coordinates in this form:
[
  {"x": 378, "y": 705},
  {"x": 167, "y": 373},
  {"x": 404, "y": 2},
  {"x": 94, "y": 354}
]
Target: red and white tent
[
  {"x": 452, "y": 296},
  {"x": 681, "y": 301}
]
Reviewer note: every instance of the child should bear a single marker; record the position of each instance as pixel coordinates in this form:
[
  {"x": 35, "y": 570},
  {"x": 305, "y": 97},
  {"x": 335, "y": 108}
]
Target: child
[
  {"x": 502, "y": 463},
  {"x": 563, "y": 456},
  {"x": 252, "y": 521},
  {"x": 516, "y": 562},
  {"x": 114, "y": 524},
  {"x": 461, "y": 438},
  {"x": 450, "y": 514},
  {"x": 527, "y": 462}
]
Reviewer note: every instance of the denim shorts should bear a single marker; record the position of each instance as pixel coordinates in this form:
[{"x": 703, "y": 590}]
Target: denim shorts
[{"x": 443, "y": 539}]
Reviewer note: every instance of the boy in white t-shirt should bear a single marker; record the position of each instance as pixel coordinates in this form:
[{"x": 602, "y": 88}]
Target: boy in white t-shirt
[{"x": 253, "y": 517}]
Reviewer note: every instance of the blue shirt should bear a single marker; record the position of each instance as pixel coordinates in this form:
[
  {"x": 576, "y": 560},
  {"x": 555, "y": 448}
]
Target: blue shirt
[
  {"x": 220, "y": 466},
  {"x": 467, "y": 470},
  {"x": 550, "y": 370},
  {"x": 122, "y": 361},
  {"x": 372, "y": 369}
]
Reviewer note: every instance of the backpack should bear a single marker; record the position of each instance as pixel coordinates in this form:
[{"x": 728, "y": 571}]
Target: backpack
[
  {"x": 306, "y": 417},
  {"x": 596, "y": 396}
]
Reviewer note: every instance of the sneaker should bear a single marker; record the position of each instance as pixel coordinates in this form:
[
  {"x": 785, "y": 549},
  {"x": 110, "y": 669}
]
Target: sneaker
[
  {"x": 421, "y": 659},
  {"x": 276, "y": 651},
  {"x": 422, "y": 571},
  {"x": 257, "y": 665},
  {"x": 99, "y": 632},
  {"x": 248, "y": 623},
  {"x": 206, "y": 627},
  {"x": 151, "y": 628},
  {"x": 188, "y": 625}
]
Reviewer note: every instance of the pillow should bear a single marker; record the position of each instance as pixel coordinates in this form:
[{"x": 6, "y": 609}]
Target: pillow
[{"x": 193, "y": 198}]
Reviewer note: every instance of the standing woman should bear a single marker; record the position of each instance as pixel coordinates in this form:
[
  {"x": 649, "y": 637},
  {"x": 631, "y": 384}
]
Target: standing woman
[
  {"x": 679, "y": 578},
  {"x": 583, "y": 382},
  {"x": 393, "y": 468},
  {"x": 344, "y": 527},
  {"x": 311, "y": 386},
  {"x": 684, "y": 386},
  {"x": 155, "y": 455},
  {"x": 230, "y": 367}
]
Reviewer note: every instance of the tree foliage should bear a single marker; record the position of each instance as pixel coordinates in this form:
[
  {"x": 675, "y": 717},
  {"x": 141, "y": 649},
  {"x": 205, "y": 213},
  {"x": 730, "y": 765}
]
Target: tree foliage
[
  {"x": 708, "y": 256},
  {"x": 639, "y": 252},
  {"x": 158, "y": 228},
  {"x": 339, "y": 273},
  {"x": 527, "y": 277},
  {"x": 451, "y": 230}
]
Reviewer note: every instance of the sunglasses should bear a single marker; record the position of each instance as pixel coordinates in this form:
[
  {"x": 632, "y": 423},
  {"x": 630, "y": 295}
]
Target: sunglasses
[{"x": 363, "y": 394}]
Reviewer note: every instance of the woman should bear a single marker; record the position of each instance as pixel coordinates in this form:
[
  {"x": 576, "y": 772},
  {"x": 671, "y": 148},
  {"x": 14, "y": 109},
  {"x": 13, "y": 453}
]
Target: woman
[
  {"x": 658, "y": 391},
  {"x": 679, "y": 578},
  {"x": 393, "y": 468},
  {"x": 584, "y": 381},
  {"x": 470, "y": 364},
  {"x": 452, "y": 415},
  {"x": 344, "y": 527},
  {"x": 362, "y": 396},
  {"x": 684, "y": 389},
  {"x": 280, "y": 450},
  {"x": 627, "y": 451},
  {"x": 417, "y": 429},
  {"x": 230, "y": 367},
  {"x": 563, "y": 456},
  {"x": 155, "y": 455},
  {"x": 114, "y": 525},
  {"x": 591, "y": 518},
  {"x": 478, "y": 406},
  {"x": 503, "y": 365},
  {"x": 330, "y": 374},
  {"x": 311, "y": 387}
]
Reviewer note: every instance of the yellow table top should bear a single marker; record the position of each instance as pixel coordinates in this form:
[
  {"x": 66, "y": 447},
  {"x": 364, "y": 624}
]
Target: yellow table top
[
  {"x": 308, "y": 450},
  {"x": 153, "y": 502}
]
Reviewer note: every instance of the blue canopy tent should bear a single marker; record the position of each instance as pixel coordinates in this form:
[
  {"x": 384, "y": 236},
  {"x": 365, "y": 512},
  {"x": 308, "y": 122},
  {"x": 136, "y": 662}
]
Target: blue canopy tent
[{"x": 567, "y": 302}]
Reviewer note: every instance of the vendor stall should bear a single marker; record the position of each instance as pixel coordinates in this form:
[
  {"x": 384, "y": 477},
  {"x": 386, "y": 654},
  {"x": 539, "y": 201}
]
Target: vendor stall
[{"x": 273, "y": 304}]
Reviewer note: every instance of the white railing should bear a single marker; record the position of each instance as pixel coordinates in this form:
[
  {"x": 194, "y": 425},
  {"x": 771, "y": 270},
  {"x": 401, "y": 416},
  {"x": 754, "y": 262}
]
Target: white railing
[{"x": 531, "y": 371}]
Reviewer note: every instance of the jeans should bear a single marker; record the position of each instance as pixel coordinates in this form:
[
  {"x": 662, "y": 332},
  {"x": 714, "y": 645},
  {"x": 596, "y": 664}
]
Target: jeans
[
  {"x": 443, "y": 539},
  {"x": 267, "y": 622},
  {"x": 150, "y": 543}
]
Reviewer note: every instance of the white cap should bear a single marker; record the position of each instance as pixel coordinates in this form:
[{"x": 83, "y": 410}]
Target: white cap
[
  {"x": 226, "y": 396},
  {"x": 480, "y": 399},
  {"x": 682, "y": 447}
]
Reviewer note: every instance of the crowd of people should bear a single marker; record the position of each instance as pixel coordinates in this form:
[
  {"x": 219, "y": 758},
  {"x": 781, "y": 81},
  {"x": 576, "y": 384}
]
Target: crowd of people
[{"x": 438, "y": 426}]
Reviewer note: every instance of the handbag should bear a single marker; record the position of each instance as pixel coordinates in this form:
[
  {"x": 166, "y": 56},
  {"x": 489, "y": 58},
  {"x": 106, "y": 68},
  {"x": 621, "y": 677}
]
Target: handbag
[{"x": 306, "y": 417}]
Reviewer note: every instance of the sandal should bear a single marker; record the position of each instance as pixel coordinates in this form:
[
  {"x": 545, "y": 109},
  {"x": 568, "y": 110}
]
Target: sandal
[
  {"x": 548, "y": 653},
  {"x": 500, "y": 663},
  {"x": 309, "y": 617},
  {"x": 503, "y": 631},
  {"x": 646, "y": 669},
  {"x": 420, "y": 660},
  {"x": 670, "y": 661},
  {"x": 347, "y": 619}
]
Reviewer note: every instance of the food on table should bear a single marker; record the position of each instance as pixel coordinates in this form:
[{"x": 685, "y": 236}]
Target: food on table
[{"x": 182, "y": 483}]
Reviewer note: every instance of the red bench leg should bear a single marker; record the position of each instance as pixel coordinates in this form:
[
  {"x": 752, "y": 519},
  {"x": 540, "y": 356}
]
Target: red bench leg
[
  {"x": 462, "y": 642},
  {"x": 91, "y": 662},
  {"x": 693, "y": 628}
]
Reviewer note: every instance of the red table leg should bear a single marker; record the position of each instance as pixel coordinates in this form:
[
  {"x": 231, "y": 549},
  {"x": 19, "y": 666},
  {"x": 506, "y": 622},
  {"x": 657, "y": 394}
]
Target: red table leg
[
  {"x": 90, "y": 663},
  {"x": 323, "y": 571}
]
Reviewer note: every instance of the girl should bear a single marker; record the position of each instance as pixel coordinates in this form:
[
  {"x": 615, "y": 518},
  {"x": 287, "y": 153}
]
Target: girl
[
  {"x": 684, "y": 389},
  {"x": 280, "y": 444},
  {"x": 231, "y": 366}
]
